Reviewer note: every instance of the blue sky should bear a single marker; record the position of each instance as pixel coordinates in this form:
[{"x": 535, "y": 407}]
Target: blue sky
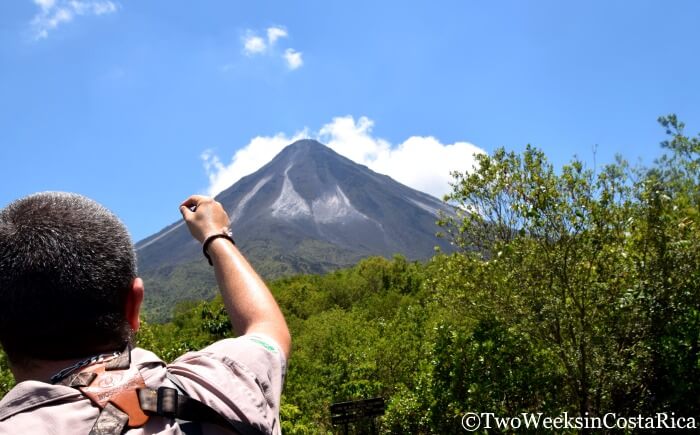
[{"x": 120, "y": 100}]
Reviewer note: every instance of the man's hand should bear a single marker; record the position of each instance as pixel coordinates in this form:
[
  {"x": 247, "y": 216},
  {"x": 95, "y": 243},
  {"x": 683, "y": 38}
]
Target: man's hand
[{"x": 204, "y": 216}]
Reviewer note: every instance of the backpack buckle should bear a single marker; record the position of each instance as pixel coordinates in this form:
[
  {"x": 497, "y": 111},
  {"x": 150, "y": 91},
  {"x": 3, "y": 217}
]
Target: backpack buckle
[
  {"x": 166, "y": 402},
  {"x": 163, "y": 402}
]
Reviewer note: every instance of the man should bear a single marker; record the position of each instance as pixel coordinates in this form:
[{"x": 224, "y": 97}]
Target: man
[{"x": 69, "y": 306}]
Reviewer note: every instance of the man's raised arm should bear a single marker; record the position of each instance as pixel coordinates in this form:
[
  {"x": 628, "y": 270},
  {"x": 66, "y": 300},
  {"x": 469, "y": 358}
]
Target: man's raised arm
[{"x": 249, "y": 303}]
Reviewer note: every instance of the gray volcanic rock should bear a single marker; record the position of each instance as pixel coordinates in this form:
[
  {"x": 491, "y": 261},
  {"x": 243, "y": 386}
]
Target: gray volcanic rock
[{"x": 309, "y": 210}]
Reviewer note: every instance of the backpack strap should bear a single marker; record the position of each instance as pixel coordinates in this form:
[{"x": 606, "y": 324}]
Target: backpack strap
[
  {"x": 111, "y": 421},
  {"x": 111, "y": 384},
  {"x": 166, "y": 402}
]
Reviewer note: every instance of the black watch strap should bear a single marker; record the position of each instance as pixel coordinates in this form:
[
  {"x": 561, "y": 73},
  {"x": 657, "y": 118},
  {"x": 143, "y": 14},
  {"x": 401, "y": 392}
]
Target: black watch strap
[{"x": 208, "y": 240}]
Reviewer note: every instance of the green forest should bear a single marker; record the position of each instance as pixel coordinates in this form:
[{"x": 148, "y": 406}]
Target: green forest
[{"x": 572, "y": 289}]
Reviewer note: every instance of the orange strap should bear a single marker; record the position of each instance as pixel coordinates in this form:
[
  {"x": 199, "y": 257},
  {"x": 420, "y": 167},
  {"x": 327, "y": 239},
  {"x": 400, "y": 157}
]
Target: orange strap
[{"x": 119, "y": 388}]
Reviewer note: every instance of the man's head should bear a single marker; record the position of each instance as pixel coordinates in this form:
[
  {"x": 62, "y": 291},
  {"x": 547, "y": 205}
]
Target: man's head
[{"x": 67, "y": 269}]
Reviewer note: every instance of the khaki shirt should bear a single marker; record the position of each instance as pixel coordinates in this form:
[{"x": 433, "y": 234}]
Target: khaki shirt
[{"x": 240, "y": 378}]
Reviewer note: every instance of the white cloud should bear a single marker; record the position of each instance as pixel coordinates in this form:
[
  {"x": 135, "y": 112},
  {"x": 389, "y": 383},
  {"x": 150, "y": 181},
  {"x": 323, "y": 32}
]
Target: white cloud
[
  {"x": 52, "y": 13},
  {"x": 275, "y": 33},
  {"x": 45, "y": 4},
  {"x": 421, "y": 162},
  {"x": 293, "y": 58},
  {"x": 254, "y": 45},
  {"x": 353, "y": 139}
]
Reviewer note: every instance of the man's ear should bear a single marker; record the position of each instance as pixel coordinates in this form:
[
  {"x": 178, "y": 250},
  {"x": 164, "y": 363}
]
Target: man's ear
[{"x": 134, "y": 297}]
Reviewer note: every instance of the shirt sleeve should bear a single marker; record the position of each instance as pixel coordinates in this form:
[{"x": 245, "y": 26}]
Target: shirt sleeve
[{"x": 241, "y": 378}]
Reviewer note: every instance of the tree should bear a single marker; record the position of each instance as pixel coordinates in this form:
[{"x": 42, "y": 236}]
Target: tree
[{"x": 597, "y": 268}]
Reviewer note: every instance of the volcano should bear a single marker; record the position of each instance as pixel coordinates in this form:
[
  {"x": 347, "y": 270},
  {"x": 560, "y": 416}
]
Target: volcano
[{"x": 309, "y": 210}]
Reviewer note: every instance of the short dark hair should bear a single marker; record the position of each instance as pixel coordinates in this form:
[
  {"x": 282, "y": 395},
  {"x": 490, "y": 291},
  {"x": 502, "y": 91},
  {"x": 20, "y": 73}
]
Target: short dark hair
[{"x": 66, "y": 265}]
